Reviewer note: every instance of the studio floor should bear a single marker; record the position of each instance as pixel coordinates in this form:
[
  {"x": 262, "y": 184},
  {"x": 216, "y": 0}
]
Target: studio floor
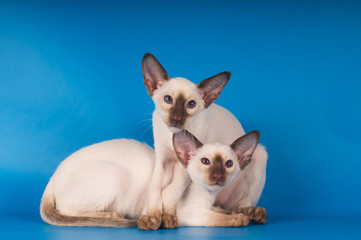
[{"x": 276, "y": 228}]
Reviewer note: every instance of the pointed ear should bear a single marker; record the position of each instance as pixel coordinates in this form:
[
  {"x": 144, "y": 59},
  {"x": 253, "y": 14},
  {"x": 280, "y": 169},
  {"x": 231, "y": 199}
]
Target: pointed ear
[
  {"x": 185, "y": 145},
  {"x": 212, "y": 87},
  {"x": 153, "y": 73},
  {"x": 244, "y": 147}
]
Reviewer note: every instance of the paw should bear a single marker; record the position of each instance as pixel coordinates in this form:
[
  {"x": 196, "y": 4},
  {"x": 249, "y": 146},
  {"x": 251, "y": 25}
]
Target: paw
[
  {"x": 241, "y": 220},
  {"x": 257, "y": 214},
  {"x": 146, "y": 222},
  {"x": 169, "y": 221}
]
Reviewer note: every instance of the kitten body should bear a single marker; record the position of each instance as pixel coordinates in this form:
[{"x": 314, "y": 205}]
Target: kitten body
[
  {"x": 106, "y": 185},
  {"x": 210, "y": 123},
  {"x": 102, "y": 185}
]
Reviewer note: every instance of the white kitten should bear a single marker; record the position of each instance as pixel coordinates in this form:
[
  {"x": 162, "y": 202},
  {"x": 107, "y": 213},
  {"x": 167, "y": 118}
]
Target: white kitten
[
  {"x": 106, "y": 184},
  {"x": 212, "y": 167},
  {"x": 100, "y": 185},
  {"x": 181, "y": 104}
]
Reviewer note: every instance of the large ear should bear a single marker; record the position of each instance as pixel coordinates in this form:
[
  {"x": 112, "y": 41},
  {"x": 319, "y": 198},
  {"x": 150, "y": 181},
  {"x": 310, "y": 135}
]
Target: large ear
[
  {"x": 153, "y": 73},
  {"x": 213, "y": 86},
  {"x": 244, "y": 147},
  {"x": 185, "y": 145}
]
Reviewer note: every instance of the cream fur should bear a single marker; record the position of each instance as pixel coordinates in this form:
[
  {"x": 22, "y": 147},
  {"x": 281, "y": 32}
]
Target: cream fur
[
  {"x": 111, "y": 176},
  {"x": 209, "y": 125}
]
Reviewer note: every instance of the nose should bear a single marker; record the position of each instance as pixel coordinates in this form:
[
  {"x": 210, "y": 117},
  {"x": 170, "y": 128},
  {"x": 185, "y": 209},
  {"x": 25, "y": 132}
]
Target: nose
[
  {"x": 217, "y": 177},
  {"x": 177, "y": 118}
]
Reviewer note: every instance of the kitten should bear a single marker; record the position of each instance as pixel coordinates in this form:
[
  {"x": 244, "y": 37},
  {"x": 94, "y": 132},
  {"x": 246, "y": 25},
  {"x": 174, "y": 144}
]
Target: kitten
[
  {"x": 181, "y": 104},
  {"x": 100, "y": 186},
  {"x": 106, "y": 184},
  {"x": 212, "y": 167}
]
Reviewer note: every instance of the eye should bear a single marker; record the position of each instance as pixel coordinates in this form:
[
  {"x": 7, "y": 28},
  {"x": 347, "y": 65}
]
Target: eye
[
  {"x": 205, "y": 161},
  {"x": 168, "y": 99},
  {"x": 229, "y": 163},
  {"x": 191, "y": 104}
]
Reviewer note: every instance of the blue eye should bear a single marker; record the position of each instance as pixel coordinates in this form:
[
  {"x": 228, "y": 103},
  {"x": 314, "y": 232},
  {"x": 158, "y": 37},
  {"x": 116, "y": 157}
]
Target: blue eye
[
  {"x": 168, "y": 99},
  {"x": 191, "y": 104},
  {"x": 205, "y": 161},
  {"x": 229, "y": 163}
]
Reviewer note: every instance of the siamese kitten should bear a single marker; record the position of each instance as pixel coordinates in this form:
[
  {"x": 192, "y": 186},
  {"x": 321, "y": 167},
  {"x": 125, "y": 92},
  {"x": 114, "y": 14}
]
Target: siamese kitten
[
  {"x": 102, "y": 185},
  {"x": 212, "y": 167},
  {"x": 106, "y": 184},
  {"x": 181, "y": 104}
]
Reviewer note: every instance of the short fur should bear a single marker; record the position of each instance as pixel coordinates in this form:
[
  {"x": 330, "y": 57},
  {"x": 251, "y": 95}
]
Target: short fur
[
  {"x": 209, "y": 123},
  {"x": 195, "y": 208},
  {"x": 99, "y": 186}
]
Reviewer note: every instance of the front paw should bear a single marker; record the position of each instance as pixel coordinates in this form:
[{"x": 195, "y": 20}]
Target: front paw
[
  {"x": 153, "y": 222},
  {"x": 257, "y": 214},
  {"x": 169, "y": 221},
  {"x": 241, "y": 220}
]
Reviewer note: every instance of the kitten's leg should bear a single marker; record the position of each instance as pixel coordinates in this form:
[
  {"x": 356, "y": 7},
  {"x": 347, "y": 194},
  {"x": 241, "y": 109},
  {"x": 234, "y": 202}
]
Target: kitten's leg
[
  {"x": 171, "y": 195},
  {"x": 257, "y": 214},
  {"x": 209, "y": 218},
  {"x": 221, "y": 210},
  {"x": 152, "y": 216}
]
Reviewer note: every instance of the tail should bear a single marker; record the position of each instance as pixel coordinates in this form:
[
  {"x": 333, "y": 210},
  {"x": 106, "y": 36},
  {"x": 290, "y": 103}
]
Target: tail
[{"x": 51, "y": 215}]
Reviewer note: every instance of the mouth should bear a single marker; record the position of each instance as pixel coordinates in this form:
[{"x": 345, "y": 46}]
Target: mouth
[
  {"x": 175, "y": 126},
  {"x": 174, "y": 129},
  {"x": 216, "y": 185}
]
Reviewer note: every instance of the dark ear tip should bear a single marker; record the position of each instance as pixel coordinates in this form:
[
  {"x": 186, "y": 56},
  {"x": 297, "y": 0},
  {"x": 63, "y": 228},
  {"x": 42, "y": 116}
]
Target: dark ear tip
[
  {"x": 228, "y": 74},
  {"x": 255, "y": 132},
  {"x": 148, "y": 55}
]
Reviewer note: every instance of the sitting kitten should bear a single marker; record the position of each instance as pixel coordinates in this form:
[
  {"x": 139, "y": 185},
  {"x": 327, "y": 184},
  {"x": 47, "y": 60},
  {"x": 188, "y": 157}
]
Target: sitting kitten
[
  {"x": 106, "y": 184},
  {"x": 181, "y": 104}
]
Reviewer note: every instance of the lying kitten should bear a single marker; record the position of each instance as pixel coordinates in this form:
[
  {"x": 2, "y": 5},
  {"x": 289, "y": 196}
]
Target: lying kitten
[
  {"x": 211, "y": 168},
  {"x": 181, "y": 104},
  {"x": 106, "y": 184},
  {"x": 100, "y": 185}
]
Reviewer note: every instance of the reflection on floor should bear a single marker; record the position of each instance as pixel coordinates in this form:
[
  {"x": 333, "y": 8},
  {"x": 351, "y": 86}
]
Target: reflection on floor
[{"x": 276, "y": 228}]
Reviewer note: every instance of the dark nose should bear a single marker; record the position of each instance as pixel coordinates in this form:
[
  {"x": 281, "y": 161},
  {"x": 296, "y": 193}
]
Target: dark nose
[
  {"x": 177, "y": 118},
  {"x": 217, "y": 177}
]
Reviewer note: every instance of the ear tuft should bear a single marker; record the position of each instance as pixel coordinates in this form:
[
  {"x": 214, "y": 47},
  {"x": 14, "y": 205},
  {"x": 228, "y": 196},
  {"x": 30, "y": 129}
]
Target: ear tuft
[
  {"x": 153, "y": 73},
  {"x": 212, "y": 87},
  {"x": 185, "y": 145},
  {"x": 244, "y": 148}
]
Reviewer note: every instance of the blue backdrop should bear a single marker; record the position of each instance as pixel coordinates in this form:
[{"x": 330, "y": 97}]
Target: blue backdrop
[{"x": 70, "y": 76}]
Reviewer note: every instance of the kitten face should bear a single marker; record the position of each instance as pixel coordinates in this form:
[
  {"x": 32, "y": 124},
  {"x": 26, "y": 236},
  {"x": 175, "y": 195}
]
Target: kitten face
[
  {"x": 212, "y": 166},
  {"x": 178, "y": 100}
]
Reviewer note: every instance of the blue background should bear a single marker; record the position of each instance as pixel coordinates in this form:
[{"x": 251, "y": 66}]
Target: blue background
[{"x": 70, "y": 76}]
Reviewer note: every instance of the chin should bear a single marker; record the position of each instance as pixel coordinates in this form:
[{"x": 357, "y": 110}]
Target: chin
[
  {"x": 214, "y": 187},
  {"x": 174, "y": 129}
]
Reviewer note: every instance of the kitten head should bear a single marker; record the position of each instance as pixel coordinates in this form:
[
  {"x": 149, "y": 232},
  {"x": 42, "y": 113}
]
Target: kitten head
[
  {"x": 178, "y": 100},
  {"x": 213, "y": 166}
]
